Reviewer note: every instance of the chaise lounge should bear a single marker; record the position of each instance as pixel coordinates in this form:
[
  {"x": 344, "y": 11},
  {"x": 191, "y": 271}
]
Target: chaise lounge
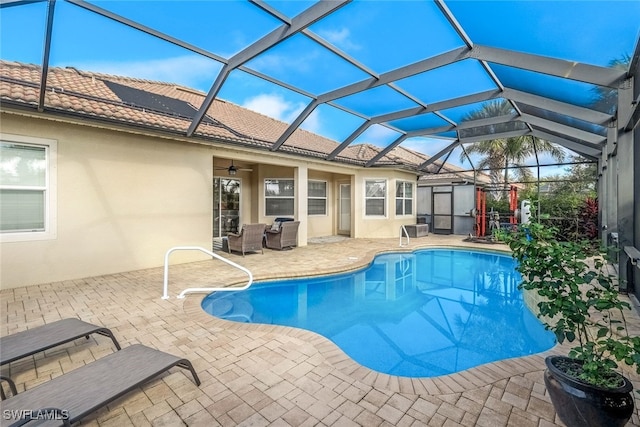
[
  {"x": 82, "y": 391},
  {"x": 22, "y": 344}
]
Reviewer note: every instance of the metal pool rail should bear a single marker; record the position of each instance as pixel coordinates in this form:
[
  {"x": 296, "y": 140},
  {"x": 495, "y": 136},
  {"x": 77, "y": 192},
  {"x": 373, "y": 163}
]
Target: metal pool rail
[
  {"x": 165, "y": 295},
  {"x": 403, "y": 230}
]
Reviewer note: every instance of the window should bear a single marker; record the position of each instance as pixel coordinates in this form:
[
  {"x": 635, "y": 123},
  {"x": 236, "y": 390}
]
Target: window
[
  {"x": 27, "y": 188},
  {"x": 278, "y": 197},
  {"x": 375, "y": 197},
  {"x": 404, "y": 198},
  {"x": 317, "y": 198}
]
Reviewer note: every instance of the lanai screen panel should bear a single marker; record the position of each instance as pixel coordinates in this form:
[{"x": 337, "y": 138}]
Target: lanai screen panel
[{"x": 350, "y": 71}]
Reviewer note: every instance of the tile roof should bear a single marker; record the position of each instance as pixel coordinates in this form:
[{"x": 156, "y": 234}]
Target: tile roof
[
  {"x": 437, "y": 170},
  {"x": 171, "y": 108}
]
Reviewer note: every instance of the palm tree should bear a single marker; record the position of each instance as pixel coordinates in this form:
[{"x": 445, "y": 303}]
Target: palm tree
[
  {"x": 606, "y": 99},
  {"x": 498, "y": 155}
]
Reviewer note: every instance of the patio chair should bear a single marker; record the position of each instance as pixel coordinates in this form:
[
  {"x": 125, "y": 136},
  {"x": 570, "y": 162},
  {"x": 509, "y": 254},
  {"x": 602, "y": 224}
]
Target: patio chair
[
  {"x": 285, "y": 237},
  {"x": 41, "y": 338},
  {"x": 92, "y": 386},
  {"x": 251, "y": 238}
]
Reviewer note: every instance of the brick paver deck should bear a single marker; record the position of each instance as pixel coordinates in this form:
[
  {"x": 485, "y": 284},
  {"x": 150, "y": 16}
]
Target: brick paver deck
[{"x": 262, "y": 375}]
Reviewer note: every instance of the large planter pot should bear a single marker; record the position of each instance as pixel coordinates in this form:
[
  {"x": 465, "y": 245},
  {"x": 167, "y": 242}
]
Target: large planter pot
[{"x": 583, "y": 405}]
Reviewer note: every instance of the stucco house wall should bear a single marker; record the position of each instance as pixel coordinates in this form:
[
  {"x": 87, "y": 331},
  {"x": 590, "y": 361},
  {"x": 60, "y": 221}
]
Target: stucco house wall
[
  {"x": 123, "y": 198},
  {"x": 324, "y": 225},
  {"x": 122, "y": 201},
  {"x": 389, "y": 224}
]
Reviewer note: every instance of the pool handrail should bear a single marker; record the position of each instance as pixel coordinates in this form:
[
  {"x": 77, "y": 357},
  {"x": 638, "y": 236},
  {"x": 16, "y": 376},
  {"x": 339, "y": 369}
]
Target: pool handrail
[
  {"x": 403, "y": 230},
  {"x": 182, "y": 294}
]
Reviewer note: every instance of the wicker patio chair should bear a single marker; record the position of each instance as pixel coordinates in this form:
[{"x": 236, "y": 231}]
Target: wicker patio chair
[
  {"x": 285, "y": 237},
  {"x": 251, "y": 238}
]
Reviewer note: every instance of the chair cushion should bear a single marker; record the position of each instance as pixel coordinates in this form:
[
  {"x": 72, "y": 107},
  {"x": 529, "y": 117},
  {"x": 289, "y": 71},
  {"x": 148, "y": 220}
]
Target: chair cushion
[
  {"x": 275, "y": 226},
  {"x": 283, "y": 219}
]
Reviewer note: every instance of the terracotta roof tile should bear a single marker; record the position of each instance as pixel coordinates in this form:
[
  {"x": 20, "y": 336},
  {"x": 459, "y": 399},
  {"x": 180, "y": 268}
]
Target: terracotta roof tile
[{"x": 94, "y": 94}]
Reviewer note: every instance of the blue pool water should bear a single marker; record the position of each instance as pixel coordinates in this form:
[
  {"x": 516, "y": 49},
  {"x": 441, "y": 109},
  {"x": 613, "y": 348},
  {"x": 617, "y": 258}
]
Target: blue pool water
[{"x": 432, "y": 312}]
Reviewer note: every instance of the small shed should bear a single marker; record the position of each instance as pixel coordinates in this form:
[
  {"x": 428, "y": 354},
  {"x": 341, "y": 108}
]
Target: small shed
[{"x": 447, "y": 201}]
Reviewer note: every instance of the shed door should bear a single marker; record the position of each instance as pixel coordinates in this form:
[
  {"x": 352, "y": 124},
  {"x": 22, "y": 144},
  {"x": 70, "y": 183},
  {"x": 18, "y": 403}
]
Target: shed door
[{"x": 442, "y": 218}]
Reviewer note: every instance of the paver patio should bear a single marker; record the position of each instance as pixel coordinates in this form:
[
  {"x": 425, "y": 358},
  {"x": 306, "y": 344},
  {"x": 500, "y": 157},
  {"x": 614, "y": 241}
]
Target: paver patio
[{"x": 260, "y": 375}]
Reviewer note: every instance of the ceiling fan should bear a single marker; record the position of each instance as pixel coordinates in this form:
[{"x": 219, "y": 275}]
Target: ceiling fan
[{"x": 232, "y": 169}]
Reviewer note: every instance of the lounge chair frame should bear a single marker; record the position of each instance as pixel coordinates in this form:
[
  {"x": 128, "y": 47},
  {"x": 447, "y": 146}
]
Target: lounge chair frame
[
  {"x": 92, "y": 386},
  {"x": 12, "y": 387},
  {"x": 26, "y": 343}
]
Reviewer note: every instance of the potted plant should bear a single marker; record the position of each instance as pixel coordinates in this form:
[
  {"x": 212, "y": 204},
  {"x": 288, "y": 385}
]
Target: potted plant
[{"x": 579, "y": 301}]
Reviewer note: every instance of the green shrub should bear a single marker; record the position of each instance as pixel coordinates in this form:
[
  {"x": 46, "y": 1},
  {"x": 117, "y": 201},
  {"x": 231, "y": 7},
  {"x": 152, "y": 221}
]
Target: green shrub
[{"x": 579, "y": 301}]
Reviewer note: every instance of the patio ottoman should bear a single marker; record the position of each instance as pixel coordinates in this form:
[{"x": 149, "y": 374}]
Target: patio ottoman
[{"x": 417, "y": 230}]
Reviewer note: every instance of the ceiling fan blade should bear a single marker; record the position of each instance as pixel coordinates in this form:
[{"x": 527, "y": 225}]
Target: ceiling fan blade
[{"x": 232, "y": 167}]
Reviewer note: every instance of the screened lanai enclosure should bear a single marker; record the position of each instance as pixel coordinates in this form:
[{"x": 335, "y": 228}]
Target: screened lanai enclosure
[{"x": 436, "y": 77}]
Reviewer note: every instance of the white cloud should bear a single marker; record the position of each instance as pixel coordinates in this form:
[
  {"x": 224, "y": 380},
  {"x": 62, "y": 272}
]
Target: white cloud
[
  {"x": 313, "y": 123},
  {"x": 276, "y": 107},
  {"x": 378, "y": 135},
  {"x": 192, "y": 71},
  {"x": 428, "y": 146},
  {"x": 273, "y": 106},
  {"x": 341, "y": 38},
  {"x": 272, "y": 63},
  {"x": 550, "y": 170}
]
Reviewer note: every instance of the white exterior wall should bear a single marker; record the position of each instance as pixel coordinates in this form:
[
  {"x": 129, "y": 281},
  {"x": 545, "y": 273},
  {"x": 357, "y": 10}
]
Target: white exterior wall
[
  {"x": 124, "y": 199},
  {"x": 122, "y": 202},
  {"x": 374, "y": 226},
  {"x": 324, "y": 225}
]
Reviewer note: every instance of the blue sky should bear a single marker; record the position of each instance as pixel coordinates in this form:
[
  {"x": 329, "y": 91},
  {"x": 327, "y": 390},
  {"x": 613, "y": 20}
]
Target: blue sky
[{"x": 380, "y": 35}]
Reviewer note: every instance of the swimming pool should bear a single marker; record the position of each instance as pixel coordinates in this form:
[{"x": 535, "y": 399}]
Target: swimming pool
[{"x": 422, "y": 314}]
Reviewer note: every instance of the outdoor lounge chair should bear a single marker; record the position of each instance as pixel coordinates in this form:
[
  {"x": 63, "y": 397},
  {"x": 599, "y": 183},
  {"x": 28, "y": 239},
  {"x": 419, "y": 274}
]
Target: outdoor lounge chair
[
  {"x": 12, "y": 387},
  {"x": 41, "y": 338},
  {"x": 251, "y": 238},
  {"x": 90, "y": 387},
  {"x": 285, "y": 237}
]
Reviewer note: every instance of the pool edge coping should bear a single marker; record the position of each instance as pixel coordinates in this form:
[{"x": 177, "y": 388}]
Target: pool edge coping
[{"x": 459, "y": 382}]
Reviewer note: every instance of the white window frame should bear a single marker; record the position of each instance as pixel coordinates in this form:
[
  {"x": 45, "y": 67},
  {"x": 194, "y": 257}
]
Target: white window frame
[
  {"x": 384, "y": 197},
  {"x": 293, "y": 197},
  {"x": 50, "y": 231},
  {"x": 325, "y": 198},
  {"x": 404, "y": 198}
]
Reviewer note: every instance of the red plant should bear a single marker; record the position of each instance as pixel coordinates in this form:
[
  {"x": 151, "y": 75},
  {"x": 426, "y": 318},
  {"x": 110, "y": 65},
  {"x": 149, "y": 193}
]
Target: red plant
[{"x": 589, "y": 218}]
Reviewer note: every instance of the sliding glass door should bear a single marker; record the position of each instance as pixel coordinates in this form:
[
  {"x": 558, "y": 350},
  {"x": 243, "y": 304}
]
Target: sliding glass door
[{"x": 226, "y": 206}]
